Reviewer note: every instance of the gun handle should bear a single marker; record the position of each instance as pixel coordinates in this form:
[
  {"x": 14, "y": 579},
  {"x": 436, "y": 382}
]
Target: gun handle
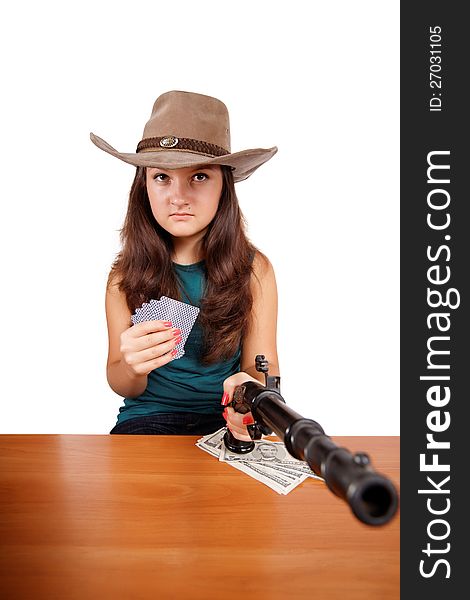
[{"x": 237, "y": 446}]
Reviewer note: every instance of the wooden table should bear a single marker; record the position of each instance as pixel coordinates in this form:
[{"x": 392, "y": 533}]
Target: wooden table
[{"x": 85, "y": 517}]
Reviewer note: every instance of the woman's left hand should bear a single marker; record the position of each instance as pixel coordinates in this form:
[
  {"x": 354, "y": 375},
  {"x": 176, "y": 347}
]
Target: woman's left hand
[{"x": 236, "y": 422}]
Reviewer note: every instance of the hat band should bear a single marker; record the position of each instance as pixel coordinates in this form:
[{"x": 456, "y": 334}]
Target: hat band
[{"x": 169, "y": 142}]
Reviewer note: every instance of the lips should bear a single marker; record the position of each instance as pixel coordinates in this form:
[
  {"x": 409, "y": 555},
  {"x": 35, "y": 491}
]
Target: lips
[{"x": 181, "y": 215}]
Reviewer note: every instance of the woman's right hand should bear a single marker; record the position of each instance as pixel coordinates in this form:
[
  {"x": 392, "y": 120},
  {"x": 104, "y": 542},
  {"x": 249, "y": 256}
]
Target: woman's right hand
[{"x": 148, "y": 345}]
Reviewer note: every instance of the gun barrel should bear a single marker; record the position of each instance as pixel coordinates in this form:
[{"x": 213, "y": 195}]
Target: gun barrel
[{"x": 371, "y": 496}]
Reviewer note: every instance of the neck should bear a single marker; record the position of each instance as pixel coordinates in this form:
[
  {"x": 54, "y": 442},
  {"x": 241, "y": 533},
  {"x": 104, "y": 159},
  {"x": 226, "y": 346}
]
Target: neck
[{"x": 188, "y": 250}]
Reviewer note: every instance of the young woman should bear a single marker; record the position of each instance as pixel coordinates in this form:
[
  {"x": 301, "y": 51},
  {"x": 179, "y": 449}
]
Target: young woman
[{"x": 184, "y": 237}]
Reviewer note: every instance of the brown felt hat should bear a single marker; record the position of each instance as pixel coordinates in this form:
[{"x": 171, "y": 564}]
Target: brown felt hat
[{"x": 189, "y": 130}]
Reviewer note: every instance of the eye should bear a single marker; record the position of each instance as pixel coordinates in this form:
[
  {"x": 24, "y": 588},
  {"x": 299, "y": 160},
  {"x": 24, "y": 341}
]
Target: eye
[
  {"x": 160, "y": 177},
  {"x": 198, "y": 175}
]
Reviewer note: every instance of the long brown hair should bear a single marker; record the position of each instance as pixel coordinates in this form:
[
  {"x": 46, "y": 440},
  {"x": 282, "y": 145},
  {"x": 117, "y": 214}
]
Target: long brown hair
[{"x": 143, "y": 268}]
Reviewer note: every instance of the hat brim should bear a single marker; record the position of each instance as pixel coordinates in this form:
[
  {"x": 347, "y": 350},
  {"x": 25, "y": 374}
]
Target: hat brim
[{"x": 243, "y": 163}]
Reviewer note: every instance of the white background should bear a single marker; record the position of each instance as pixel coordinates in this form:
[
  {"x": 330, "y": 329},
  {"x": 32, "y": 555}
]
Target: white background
[{"x": 317, "y": 79}]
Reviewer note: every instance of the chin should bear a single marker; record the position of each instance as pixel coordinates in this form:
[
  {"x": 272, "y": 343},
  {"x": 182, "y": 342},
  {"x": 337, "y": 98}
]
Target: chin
[{"x": 183, "y": 228}]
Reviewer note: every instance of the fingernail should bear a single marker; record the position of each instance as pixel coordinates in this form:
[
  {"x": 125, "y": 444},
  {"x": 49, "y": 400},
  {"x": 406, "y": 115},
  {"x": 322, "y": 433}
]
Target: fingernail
[
  {"x": 168, "y": 323},
  {"x": 225, "y": 399},
  {"x": 177, "y": 332},
  {"x": 174, "y": 352},
  {"x": 178, "y": 340},
  {"x": 248, "y": 420}
]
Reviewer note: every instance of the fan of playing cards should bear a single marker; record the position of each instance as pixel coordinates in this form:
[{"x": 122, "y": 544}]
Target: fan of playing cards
[{"x": 180, "y": 314}]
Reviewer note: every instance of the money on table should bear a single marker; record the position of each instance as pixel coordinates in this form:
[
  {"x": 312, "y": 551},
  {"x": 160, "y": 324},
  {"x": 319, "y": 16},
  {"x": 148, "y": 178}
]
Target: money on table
[{"x": 269, "y": 462}]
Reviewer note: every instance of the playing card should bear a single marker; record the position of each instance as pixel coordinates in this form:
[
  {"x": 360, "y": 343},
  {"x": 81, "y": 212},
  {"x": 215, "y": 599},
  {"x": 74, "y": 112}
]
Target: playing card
[
  {"x": 181, "y": 315},
  {"x": 141, "y": 314},
  {"x": 154, "y": 311}
]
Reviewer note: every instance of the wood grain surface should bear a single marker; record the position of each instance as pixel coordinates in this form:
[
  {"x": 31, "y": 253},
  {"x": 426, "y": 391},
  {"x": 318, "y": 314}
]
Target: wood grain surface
[{"x": 84, "y": 517}]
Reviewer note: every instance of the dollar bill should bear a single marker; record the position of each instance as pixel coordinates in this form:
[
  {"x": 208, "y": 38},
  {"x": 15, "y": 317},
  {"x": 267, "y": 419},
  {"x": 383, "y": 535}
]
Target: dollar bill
[
  {"x": 272, "y": 454},
  {"x": 268, "y": 463},
  {"x": 282, "y": 483},
  {"x": 212, "y": 443}
]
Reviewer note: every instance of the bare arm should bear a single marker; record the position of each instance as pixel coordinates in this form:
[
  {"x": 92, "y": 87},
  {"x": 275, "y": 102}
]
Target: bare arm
[
  {"x": 118, "y": 317},
  {"x": 262, "y": 336},
  {"x": 261, "y": 339}
]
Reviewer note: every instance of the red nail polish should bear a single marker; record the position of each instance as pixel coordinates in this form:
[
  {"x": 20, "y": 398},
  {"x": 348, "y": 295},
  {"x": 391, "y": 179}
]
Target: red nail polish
[
  {"x": 248, "y": 420},
  {"x": 224, "y": 414},
  {"x": 225, "y": 399}
]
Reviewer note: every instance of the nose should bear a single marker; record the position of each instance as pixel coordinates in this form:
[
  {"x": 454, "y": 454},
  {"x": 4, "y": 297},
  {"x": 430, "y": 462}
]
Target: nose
[{"x": 180, "y": 193}]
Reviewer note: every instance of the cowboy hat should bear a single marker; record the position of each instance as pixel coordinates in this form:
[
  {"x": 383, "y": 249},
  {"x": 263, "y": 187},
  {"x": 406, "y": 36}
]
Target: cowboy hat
[{"x": 185, "y": 130}]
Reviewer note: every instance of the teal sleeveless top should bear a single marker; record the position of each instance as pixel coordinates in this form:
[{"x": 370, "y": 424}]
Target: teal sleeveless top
[{"x": 184, "y": 385}]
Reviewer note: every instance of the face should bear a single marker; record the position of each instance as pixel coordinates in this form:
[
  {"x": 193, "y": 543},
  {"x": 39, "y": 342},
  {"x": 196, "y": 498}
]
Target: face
[
  {"x": 184, "y": 201},
  {"x": 268, "y": 451}
]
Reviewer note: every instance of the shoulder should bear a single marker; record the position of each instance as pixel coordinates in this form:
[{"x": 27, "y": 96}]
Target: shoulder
[
  {"x": 113, "y": 287},
  {"x": 116, "y": 301},
  {"x": 262, "y": 267},
  {"x": 263, "y": 280}
]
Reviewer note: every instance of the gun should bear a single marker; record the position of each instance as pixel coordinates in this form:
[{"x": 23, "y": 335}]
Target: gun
[{"x": 371, "y": 496}]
